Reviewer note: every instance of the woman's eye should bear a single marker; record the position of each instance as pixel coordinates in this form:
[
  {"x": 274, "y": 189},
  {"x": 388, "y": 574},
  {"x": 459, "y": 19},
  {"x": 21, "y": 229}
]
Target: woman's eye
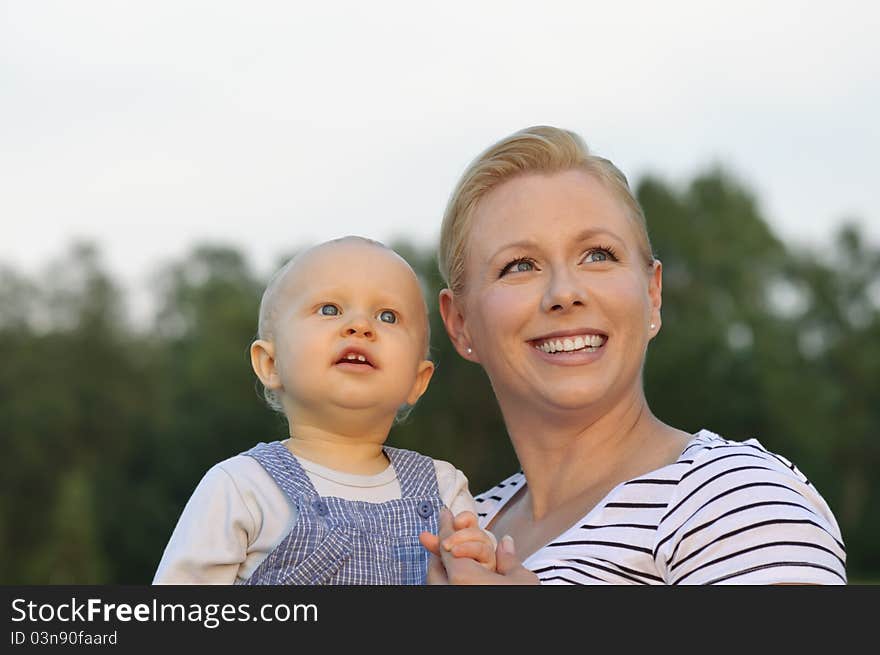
[
  {"x": 329, "y": 310},
  {"x": 518, "y": 266},
  {"x": 387, "y": 316},
  {"x": 600, "y": 255}
]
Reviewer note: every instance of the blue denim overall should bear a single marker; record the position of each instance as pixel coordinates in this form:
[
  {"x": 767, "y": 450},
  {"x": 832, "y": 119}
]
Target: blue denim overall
[{"x": 349, "y": 542}]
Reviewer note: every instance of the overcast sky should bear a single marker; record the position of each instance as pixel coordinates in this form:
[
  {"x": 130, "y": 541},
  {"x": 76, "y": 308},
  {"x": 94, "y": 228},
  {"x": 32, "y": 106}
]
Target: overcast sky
[{"x": 150, "y": 126}]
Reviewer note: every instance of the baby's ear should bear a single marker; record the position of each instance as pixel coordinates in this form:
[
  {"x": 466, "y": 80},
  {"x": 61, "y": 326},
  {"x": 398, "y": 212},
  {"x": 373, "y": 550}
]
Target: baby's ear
[
  {"x": 423, "y": 377},
  {"x": 263, "y": 363}
]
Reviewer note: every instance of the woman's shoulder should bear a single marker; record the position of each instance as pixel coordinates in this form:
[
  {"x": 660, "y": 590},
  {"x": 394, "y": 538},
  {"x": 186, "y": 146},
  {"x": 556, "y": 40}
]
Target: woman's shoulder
[
  {"x": 739, "y": 511},
  {"x": 504, "y": 489},
  {"x": 490, "y": 501},
  {"x": 715, "y": 473},
  {"x": 708, "y": 448}
]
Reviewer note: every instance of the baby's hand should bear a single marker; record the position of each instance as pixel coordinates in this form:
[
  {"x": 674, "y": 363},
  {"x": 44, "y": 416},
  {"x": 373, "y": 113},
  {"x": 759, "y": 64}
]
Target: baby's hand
[{"x": 469, "y": 540}]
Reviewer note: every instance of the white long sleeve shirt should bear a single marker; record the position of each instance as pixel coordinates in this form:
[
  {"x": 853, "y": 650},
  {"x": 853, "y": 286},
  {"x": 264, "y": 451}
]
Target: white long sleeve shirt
[{"x": 237, "y": 515}]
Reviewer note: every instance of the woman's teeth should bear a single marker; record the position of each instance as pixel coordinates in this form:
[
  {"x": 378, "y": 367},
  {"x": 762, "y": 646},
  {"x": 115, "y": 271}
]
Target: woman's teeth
[
  {"x": 352, "y": 357},
  {"x": 589, "y": 342}
]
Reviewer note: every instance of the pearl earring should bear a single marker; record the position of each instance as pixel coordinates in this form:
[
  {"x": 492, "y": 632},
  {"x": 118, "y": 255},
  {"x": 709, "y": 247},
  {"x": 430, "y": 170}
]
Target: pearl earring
[
  {"x": 653, "y": 326},
  {"x": 469, "y": 351}
]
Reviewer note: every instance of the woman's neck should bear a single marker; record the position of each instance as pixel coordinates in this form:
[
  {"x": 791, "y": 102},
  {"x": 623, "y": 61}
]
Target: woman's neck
[{"x": 568, "y": 455}]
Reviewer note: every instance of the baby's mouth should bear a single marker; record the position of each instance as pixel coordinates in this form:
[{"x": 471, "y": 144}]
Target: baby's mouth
[
  {"x": 581, "y": 343},
  {"x": 355, "y": 357}
]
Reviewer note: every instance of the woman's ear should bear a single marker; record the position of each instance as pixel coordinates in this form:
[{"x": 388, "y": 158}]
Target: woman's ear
[
  {"x": 453, "y": 320},
  {"x": 263, "y": 363},
  {"x": 655, "y": 293}
]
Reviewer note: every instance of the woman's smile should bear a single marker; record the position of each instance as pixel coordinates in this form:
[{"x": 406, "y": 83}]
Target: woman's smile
[{"x": 570, "y": 347}]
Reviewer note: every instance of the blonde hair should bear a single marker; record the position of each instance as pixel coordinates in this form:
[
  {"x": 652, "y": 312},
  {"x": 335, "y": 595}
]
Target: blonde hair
[{"x": 539, "y": 149}]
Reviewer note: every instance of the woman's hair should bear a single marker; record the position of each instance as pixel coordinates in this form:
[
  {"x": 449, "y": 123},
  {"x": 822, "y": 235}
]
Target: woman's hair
[{"x": 539, "y": 149}]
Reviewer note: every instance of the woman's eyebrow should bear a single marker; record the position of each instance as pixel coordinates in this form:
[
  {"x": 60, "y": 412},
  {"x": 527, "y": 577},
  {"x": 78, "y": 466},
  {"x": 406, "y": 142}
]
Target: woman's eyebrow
[
  {"x": 594, "y": 232},
  {"x": 524, "y": 243},
  {"x": 585, "y": 235}
]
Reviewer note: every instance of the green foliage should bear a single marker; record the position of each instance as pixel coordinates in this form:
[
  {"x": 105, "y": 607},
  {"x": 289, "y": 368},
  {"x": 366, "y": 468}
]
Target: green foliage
[
  {"x": 69, "y": 552},
  {"x": 107, "y": 427}
]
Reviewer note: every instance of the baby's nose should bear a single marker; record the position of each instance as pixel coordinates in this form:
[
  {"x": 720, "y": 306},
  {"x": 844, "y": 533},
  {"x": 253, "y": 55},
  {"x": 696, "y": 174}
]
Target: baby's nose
[{"x": 359, "y": 327}]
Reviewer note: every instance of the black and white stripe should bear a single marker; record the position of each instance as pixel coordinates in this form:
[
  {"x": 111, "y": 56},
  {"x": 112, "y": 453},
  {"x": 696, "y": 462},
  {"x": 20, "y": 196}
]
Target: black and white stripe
[{"x": 725, "y": 512}]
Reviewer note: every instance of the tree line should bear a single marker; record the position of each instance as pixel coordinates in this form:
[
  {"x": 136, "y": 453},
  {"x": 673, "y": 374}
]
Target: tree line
[{"x": 107, "y": 424}]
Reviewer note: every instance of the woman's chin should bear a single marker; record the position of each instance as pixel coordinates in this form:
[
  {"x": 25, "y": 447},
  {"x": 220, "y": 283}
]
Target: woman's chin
[{"x": 564, "y": 399}]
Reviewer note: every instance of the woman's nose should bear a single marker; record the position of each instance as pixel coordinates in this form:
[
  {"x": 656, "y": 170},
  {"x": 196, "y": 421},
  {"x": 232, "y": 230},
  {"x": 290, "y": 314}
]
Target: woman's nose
[
  {"x": 359, "y": 326},
  {"x": 563, "y": 293}
]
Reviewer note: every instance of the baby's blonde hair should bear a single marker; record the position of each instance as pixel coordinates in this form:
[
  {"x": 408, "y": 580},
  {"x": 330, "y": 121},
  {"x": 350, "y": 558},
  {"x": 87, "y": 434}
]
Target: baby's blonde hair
[{"x": 539, "y": 149}]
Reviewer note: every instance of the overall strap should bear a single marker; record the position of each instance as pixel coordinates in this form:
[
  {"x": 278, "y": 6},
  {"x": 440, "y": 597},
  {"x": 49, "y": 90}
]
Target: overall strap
[
  {"x": 415, "y": 472},
  {"x": 284, "y": 469}
]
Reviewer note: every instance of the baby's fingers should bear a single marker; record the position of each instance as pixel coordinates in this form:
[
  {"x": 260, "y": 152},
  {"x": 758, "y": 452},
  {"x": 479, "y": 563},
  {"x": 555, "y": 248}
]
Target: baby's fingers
[
  {"x": 430, "y": 542},
  {"x": 480, "y": 551},
  {"x": 461, "y": 536},
  {"x": 465, "y": 519},
  {"x": 444, "y": 527}
]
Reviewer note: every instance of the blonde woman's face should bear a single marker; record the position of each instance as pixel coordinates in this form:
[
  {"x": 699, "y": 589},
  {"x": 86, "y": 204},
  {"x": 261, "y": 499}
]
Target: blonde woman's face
[{"x": 558, "y": 300}]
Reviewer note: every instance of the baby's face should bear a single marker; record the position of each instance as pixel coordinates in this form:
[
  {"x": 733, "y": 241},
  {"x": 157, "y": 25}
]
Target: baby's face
[{"x": 350, "y": 331}]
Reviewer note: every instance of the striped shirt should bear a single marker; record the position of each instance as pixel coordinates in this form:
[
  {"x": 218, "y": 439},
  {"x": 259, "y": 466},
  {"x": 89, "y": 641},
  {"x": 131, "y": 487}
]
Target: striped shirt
[{"x": 726, "y": 512}]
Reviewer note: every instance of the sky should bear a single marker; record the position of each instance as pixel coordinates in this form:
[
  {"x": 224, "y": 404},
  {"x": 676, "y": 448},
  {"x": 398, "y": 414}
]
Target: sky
[{"x": 148, "y": 127}]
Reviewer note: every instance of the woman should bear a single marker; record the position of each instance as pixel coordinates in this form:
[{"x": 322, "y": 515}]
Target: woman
[{"x": 553, "y": 289}]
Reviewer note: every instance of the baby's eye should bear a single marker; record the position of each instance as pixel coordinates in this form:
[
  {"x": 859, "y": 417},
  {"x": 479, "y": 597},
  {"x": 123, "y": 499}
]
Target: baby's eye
[
  {"x": 387, "y": 316},
  {"x": 328, "y": 310},
  {"x": 518, "y": 266}
]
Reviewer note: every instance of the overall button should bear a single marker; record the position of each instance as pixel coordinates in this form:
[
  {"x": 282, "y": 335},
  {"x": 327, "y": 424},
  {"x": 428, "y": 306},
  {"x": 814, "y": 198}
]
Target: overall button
[
  {"x": 426, "y": 510},
  {"x": 321, "y": 508}
]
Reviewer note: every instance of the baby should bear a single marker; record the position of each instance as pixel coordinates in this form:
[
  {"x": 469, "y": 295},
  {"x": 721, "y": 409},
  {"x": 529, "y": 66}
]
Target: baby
[{"x": 343, "y": 337}]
